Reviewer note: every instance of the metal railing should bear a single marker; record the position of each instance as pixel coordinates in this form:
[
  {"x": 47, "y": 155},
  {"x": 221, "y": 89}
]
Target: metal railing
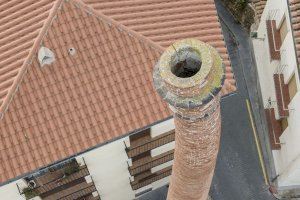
[
  {"x": 40, "y": 189},
  {"x": 154, "y": 177},
  {"x": 62, "y": 181},
  {"x": 272, "y": 15},
  {"x": 80, "y": 193},
  {"x": 152, "y": 163},
  {"x": 153, "y": 143}
]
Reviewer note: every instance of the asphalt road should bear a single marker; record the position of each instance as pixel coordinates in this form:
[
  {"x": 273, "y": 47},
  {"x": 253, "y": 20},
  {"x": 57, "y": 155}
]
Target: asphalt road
[{"x": 238, "y": 174}]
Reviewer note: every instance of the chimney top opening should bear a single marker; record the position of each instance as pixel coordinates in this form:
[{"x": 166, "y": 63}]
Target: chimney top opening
[{"x": 185, "y": 62}]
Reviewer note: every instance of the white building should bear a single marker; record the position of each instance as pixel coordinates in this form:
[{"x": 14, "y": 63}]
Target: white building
[
  {"x": 278, "y": 70},
  {"x": 79, "y": 116},
  {"x": 114, "y": 171}
]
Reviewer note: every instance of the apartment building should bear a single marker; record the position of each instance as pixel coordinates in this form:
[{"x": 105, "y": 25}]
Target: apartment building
[
  {"x": 79, "y": 117},
  {"x": 276, "y": 47}
]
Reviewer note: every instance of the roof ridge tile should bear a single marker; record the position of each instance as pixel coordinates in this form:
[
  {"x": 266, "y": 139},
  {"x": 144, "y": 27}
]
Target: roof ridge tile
[{"x": 110, "y": 21}]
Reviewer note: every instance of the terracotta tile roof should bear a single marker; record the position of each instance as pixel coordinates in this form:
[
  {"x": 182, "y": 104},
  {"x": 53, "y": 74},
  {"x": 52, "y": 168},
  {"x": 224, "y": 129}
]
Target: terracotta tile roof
[
  {"x": 102, "y": 91},
  {"x": 259, "y": 6},
  {"x": 165, "y": 21},
  {"x": 21, "y": 22},
  {"x": 295, "y": 13}
]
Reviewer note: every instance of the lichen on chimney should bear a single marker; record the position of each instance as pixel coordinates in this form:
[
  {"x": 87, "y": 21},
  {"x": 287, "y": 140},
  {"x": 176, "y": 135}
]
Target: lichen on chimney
[
  {"x": 200, "y": 80},
  {"x": 189, "y": 77}
]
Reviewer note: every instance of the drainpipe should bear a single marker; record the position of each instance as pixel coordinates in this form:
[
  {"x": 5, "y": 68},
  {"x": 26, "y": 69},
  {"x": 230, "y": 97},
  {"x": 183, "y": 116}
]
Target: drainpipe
[{"x": 189, "y": 77}]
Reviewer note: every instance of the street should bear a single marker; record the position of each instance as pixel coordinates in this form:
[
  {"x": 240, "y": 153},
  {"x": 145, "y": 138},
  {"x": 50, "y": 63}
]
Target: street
[{"x": 238, "y": 174}]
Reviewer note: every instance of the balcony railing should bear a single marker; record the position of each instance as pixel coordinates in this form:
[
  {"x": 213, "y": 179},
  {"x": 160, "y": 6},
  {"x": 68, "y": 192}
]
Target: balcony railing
[
  {"x": 84, "y": 193},
  {"x": 83, "y": 171},
  {"x": 150, "y": 144},
  {"x": 273, "y": 14},
  {"x": 139, "y": 167},
  {"x": 63, "y": 181},
  {"x": 141, "y": 182}
]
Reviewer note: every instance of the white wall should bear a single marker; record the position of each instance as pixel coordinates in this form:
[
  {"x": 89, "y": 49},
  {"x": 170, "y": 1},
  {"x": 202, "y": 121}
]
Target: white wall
[
  {"x": 162, "y": 149},
  {"x": 287, "y": 161},
  {"x": 162, "y": 166},
  {"x": 109, "y": 170},
  {"x": 265, "y": 71},
  {"x": 290, "y": 150},
  {"x": 162, "y": 127},
  {"x": 161, "y": 182},
  {"x": 10, "y": 192},
  {"x": 108, "y": 167},
  {"x": 290, "y": 177}
]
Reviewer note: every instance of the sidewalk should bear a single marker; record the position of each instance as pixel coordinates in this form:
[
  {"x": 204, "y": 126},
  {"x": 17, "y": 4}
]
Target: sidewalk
[{"x": 252, "y": 84}]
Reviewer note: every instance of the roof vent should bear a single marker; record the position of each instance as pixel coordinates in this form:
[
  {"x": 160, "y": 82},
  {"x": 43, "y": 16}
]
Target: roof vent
[
  {"x": 72, "y": 51},
  {"x": 46, "y": 56}
]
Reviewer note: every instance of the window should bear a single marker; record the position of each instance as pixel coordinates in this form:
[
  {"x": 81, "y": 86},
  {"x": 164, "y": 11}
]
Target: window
[
  {"x": 292, "y": 87},
  {"x": 283, "y": 29}
]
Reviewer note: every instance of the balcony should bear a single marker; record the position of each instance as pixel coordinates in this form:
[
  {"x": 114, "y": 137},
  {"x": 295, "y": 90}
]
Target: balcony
[
  {"x": 64, "y": 181},
  {"x": 274, "y": 38},
  {"x": 282, "y": 95},
  {"x": 276, "y": 128},
  {"x": 147, "y": 178},
  {"x": 146, "y": 143},
  {"x": 146, "y": 163}
]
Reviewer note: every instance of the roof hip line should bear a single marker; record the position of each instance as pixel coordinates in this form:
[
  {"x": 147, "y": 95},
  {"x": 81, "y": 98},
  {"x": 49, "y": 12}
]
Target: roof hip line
[
  {"x": 44, "y": 30},
  {"x": 29, "y": 58},
  {"x": 120, "y": 26}
]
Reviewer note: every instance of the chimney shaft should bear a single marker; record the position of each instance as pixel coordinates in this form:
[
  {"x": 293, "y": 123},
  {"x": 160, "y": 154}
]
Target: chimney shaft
[{"x": 189, "y": 76}]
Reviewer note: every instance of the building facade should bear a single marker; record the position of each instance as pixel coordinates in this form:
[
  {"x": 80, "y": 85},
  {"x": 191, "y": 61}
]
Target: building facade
[
  {"x": 122, "y": 169},
  {"x": 79, "y": 116},
  {"x": 276, "y": 53}
]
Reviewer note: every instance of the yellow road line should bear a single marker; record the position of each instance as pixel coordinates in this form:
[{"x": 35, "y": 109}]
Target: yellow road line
[{"x": 262, "y": 164}]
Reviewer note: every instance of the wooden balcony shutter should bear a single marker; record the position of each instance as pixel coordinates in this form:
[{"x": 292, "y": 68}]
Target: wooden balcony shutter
[{"x": 274, "y": 39}]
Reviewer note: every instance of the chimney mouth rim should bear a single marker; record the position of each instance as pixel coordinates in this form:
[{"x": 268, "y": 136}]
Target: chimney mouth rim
[
  {"x": 186, "y": 62},
  {"x": 190, "y": 92},
  {"x": 202, "y": 54}
]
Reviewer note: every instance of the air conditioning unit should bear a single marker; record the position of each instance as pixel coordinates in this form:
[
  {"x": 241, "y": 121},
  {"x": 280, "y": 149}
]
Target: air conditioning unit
[
  {"x": 88, "y": 179},
  {"x": 32, "y": 184},
  {"x": 253, "y": 34},
  {"x": 95, "y": 194},
  {"x": 80, "y": 161}
]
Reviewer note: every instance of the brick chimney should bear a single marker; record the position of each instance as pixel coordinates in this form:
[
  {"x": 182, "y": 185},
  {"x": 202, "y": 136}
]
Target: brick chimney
[{"x": 189, "y": 77}]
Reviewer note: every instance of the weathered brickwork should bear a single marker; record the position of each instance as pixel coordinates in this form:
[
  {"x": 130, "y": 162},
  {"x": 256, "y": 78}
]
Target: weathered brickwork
[
  {"x": 196, "y": 148},
  {"x": 195, "y": 101}
]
